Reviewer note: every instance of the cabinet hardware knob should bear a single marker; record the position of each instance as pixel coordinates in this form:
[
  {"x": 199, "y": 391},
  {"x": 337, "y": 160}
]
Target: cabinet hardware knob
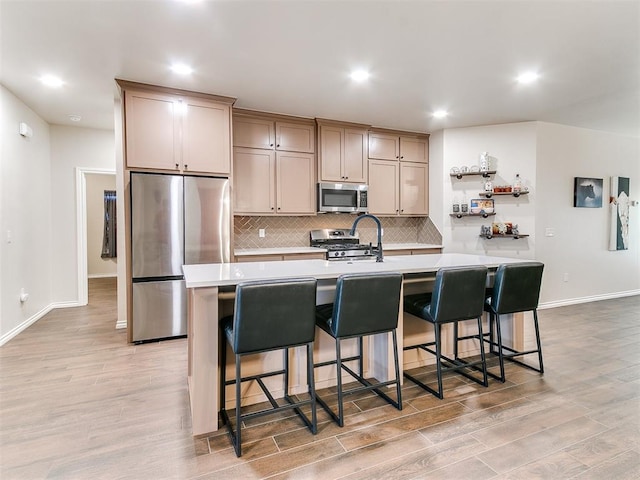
[
  {"x": 271, "y": 144},
  {"x": 401, "y": 157},
  {"x": 278, "y": 146},
  {"x": 177, "y": 166},
  {"x": 397, "y": 156},
  {"x": 186, "y": 166}
]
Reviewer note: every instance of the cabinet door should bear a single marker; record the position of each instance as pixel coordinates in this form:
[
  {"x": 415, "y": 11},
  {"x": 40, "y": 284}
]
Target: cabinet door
[
  {"x": 383, "y": 146},
  {"x": 355, "y": 164},
  {"x": 151, "y": 131},
  {"x": 206, "y": 137},
  {"x": 383, "y": 187},
  {"x": 295, "y": 137},
  {"x": 295, "y": 181},
  {"x": 414, "y": 188},
  {"x": 253, "y": 181},
  {"x": 414, "y": 149},
  {"x": 253, "y": 133},
  {"x": 330, "y": 153}
]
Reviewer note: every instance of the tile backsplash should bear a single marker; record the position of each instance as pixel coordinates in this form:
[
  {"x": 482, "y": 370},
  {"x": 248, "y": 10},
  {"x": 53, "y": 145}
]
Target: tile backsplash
[{"x": 294, "y": 231}]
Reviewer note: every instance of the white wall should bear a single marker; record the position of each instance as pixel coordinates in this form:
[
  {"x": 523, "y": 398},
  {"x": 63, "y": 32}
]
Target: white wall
[
  {"x": 579, "y": 246},
  {"x": 512, "y": 148},
  {"x": 72, "y": 147},
  {"x": 437, "y": 213},
  {"x": 96, "y": 265},
  {"x": 25, "y": 212},
  {"x": 548, "y": 157}
]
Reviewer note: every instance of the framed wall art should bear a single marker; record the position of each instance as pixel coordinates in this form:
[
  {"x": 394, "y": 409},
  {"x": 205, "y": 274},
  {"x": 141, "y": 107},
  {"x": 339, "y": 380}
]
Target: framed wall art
[
  {"x": 619, "y": 213},
  {"x": 587, "y": 192}
]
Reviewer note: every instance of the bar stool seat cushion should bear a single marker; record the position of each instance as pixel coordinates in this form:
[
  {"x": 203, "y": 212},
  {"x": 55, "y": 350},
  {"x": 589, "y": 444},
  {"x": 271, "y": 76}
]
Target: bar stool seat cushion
[{"x": 418, "y": 305}]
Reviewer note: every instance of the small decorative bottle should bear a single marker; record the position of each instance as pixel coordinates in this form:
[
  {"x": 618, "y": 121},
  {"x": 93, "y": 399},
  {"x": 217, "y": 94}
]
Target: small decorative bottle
[
  {"x": 484, "y": 162},
  {"x": 517, "y": 184},
  {"x": 488, "y": 185}
]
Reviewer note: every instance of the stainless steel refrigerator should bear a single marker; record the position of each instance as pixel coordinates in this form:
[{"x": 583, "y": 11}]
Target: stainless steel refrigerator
[{"x": 175, "y": 220}]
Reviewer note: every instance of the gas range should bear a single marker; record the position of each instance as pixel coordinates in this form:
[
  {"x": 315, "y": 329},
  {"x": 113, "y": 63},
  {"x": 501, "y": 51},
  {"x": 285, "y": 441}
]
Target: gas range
[{"x": 341, "y": 244}]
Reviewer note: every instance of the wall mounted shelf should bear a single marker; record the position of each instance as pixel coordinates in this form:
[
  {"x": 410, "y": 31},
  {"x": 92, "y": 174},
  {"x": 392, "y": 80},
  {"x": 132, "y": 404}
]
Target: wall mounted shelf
[
  {"x": 503, "y": 235},
  {"x": 459, "y": 175},
  {"x": 461, "y": 214},
  {"x": 491, "y": 194}
]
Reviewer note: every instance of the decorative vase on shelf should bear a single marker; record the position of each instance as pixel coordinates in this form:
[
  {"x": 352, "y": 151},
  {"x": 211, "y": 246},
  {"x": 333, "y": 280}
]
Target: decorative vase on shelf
[
  {"x": 517, "y": 184},
  {"x": 484, "y": 162}
]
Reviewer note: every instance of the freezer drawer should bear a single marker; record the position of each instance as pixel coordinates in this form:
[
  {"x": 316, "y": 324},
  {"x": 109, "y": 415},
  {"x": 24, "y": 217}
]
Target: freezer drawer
[{"x": 159, "y": 310}]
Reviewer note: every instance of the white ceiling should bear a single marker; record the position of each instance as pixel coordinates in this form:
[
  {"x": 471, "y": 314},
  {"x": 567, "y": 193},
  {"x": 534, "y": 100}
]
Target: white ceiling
[{"x": 294, "y": 57}]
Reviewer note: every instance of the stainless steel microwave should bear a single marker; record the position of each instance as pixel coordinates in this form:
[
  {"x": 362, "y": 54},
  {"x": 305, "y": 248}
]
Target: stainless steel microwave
[{"x": 342, "y": 197}]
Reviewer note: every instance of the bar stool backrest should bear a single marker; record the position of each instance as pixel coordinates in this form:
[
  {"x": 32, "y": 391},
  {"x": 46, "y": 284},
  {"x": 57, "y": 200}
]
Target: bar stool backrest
[
  {"x": 274, "y": 314},
  {"x": 366, "y": 304},
  {"x": 458, "y": 293},
  {"x": 516, "y": 287}
]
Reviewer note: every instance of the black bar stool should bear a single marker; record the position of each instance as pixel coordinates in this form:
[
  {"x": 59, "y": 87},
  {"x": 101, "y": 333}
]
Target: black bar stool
[
  {"x": 269, "y": 315},
  {"x": 365, "y": 304},
  {"x": 458, "y": 295},
  {"x": 516, "y": 288}
]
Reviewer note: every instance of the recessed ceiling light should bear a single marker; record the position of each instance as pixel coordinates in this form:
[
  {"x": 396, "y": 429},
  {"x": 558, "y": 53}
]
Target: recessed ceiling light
[
  {"x": 359, "y": 75},
  {"x": 528, "y": 77},
  {"x": 440, "y": 114},
  {"x": 181, "y": 69},
  {"x": 75, "y": 118},
  {"x": 51, "y": 81}
]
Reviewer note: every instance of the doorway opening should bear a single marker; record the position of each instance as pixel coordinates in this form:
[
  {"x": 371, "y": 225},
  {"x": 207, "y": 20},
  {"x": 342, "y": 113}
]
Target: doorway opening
[{"x": 90, "y": 183}]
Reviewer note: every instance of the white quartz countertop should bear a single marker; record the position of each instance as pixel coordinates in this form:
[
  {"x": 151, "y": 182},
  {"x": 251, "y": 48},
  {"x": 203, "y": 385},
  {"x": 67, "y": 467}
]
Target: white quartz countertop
[{"x": 221, "y": 274}]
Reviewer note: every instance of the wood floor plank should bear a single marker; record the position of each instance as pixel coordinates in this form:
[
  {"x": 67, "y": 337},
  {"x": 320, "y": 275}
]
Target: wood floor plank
[
  {"x": 78, "y": 402},
  {"x": 540, "y": 444},
  {"x": 423, "y": 461}
]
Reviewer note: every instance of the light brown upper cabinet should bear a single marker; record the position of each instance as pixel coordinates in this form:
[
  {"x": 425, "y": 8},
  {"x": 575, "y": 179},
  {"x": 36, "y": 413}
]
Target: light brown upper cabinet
[
  {"x": 398, "y": 188},
  {"x": 272, "y": 134},
  {"x": 403, "y": 147},
  {"x": 180, "y": 133},
  {"x": 342, "y": 152},
  {"x": 267, "y": 182}
]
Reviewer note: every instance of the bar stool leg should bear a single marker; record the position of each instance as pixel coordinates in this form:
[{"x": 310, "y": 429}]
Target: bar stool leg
[
  {"x": 223, "y": 383},
  {"x": 535, "y": 322},
  {"x": 455, "y": 340},
  {"x": 496, "y": 317},
  {"x": 339, "y": 383},
  {"x": 312, "y": 388},
  {"x": 286, "y": 373},
  {"x": 483, "y": 359},
  {"x": 238, "y": 436},
  {"x": 437, "y": 332},
  {"x": 360, "y": 360},
  {"x": 397, "y": 365}
]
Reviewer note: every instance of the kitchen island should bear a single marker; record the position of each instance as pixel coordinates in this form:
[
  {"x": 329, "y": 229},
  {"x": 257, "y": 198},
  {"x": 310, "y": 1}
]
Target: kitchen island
[{"x": 211, "y": 290}]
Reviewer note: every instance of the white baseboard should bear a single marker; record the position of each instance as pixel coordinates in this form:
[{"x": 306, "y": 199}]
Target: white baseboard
[
  {"x": 593, "y": 298},
  {"x": 34, "y": 318},
  {"x": 24, "y": 325}
]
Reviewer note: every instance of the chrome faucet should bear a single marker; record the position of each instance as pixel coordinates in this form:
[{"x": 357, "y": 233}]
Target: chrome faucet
[{"x": 379, "y": 255}]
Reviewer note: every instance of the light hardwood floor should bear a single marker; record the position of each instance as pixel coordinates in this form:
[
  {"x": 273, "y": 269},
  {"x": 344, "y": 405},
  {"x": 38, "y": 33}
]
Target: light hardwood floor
[{"x": 78, "y": 402}]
